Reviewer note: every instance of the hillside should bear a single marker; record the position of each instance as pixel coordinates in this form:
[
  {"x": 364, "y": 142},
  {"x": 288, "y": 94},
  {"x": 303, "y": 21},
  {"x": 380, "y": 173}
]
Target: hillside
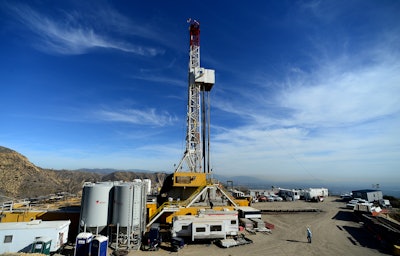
[{"x": 22, "y": 179}]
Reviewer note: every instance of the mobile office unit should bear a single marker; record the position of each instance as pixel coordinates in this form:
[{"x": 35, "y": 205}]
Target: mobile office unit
[
  {"x": 370, "y": 195},
  {"x": 19, "y": 236},
  {"x": 206, "y": 225}
]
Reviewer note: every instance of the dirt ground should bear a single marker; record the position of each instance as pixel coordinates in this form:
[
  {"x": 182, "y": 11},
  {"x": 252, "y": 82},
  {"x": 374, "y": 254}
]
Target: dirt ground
[{"x": 335, "y": 232}]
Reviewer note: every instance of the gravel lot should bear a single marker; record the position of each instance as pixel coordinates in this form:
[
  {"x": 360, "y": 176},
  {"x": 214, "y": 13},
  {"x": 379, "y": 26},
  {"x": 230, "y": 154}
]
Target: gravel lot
[{"x": 335, "y": 232}]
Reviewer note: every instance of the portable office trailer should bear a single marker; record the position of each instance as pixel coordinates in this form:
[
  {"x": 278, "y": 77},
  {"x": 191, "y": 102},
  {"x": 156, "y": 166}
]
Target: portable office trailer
[
  {"x": 370, "y": 195},
  {"x": 20, "y": 236},
  {"x": 206, "y": 225}
]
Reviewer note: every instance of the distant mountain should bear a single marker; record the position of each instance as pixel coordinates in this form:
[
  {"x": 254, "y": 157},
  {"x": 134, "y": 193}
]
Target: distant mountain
[
  {"x": 22, "y": 179},
  {"x": 108, "y": 170}
]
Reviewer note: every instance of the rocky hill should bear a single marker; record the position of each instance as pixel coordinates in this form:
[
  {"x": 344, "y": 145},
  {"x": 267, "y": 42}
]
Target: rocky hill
[{"x": 19, "y": 178}]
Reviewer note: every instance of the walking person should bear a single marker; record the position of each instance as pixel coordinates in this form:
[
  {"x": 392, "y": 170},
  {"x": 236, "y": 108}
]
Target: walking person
[{"x": 309, "y": 235}]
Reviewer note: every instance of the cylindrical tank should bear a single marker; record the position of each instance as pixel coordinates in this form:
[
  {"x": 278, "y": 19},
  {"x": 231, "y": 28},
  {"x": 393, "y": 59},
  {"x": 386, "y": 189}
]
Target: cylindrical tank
[
  {"x": 96, "y": 206},
  {"x": 139, "y": 194},
  {"x": 148, "y": 186},
  {"x": 128, "y": 204},
  {"x": 122, "y": 204}
]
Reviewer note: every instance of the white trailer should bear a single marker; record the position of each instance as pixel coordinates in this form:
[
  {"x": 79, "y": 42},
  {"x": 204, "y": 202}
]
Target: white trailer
[
  {"x": 207, "y": 225},
  {"x": 317, "y": 194},
  {"x": 19, "y": 236}
]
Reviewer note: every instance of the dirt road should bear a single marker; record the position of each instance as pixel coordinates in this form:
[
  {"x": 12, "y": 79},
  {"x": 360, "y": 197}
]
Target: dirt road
[{"x": 335, "y": 232}]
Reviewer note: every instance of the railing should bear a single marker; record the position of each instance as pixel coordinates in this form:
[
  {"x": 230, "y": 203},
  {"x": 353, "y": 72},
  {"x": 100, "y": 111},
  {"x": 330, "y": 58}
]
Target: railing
[
  {"x": 176, "y": 203},
  {"x": 186, "y": 202},
  {"x": 227, "y": 193},
  {"x": 161, "y": 207},
  {"x": 193, "y": 195}
]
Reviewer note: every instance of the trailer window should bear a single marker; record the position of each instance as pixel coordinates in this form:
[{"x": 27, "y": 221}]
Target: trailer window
[
  {"x": 8, "y": 239},
  {"x": 216, "y": 228},
  {"x": 200, "y": 229},
  {"x": 185, "y": 227},
  {"x": 233, "y": 221}
]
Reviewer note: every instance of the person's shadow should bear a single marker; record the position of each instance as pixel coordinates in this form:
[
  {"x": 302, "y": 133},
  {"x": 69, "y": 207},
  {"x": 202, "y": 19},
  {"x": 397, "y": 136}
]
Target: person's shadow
[{"x": 296, "y": 241}]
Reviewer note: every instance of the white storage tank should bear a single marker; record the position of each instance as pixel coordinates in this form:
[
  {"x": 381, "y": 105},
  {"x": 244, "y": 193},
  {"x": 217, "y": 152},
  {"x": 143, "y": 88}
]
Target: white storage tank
[
  {"x": 129, "y": 204},
  {"x": 96, "y": 206},
  {"x": 148, "y": 186},
  {"x": 139, "y": 205}
]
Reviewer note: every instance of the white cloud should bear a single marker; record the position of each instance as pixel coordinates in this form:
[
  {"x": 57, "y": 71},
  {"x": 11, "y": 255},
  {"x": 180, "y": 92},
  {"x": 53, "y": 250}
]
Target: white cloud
[
  {"x": 69, "y": 34},
  {"x": 349, "y": 98},
  {"x": 160, "y": 79},
  {"x": 136, "y": 116}
]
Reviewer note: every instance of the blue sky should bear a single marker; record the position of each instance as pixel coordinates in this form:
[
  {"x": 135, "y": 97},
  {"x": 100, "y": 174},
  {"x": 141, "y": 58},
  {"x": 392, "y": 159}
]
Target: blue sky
[{"x": 305, "y": 90}]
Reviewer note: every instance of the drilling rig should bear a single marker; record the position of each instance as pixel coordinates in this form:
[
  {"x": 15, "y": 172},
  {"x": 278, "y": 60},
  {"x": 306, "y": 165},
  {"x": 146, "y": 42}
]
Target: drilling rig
[
  {"x": 191, "y": 187},
  {"x": 201, "y": 81}
]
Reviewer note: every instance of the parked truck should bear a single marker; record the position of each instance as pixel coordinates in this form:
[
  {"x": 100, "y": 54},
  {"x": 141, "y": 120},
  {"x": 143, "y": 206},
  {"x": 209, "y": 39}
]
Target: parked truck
[
  {"x": 315, "y": 194},
  {"x": 384, "y": 203}
]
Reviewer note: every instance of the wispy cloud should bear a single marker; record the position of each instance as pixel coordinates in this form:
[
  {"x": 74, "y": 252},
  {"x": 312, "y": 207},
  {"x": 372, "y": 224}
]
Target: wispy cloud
[
  {"x": 70, "y": 34},
  {"x": 337, "y": 99},
  {"x": 160, "y": 79},
  {"x": 136, "y": 116},
  {"x": 320, "y": 122}
]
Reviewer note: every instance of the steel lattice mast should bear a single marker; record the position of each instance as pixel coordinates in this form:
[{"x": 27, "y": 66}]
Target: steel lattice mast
[{"x": 201, "y": 80}]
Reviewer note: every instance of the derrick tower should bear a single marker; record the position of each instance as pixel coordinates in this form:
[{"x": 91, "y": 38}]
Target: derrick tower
[{"x": 196, "y": 156}]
